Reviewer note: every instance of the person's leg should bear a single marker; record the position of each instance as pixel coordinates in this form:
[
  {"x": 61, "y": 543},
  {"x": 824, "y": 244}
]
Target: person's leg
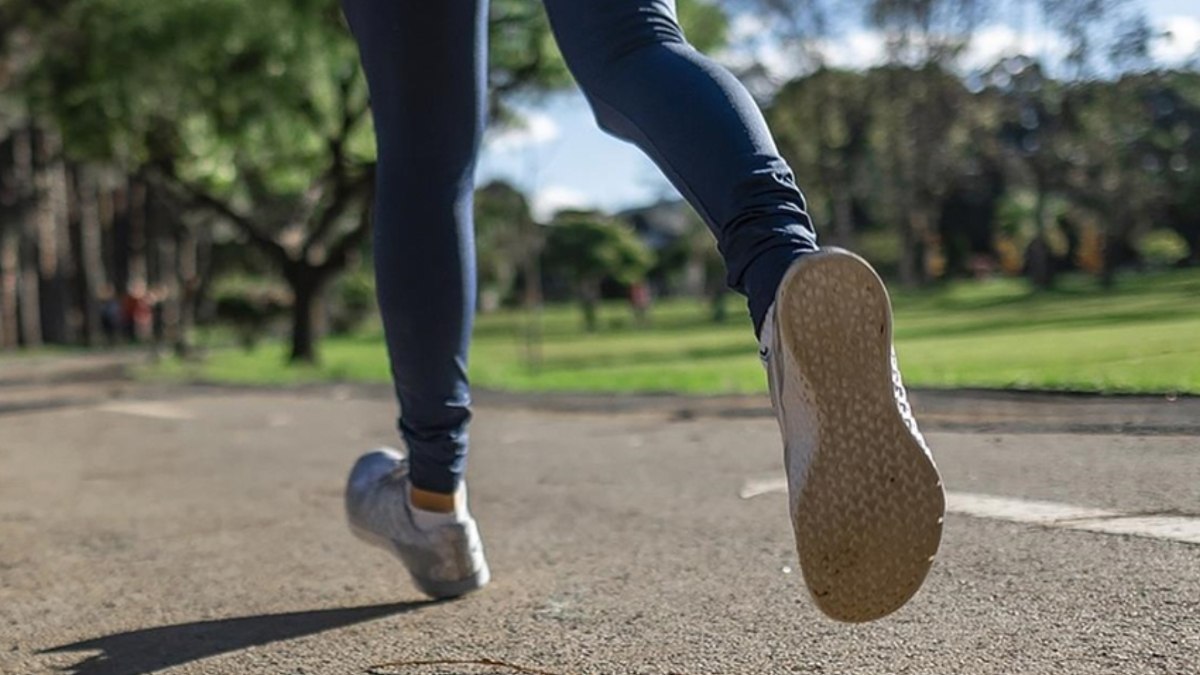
[
  {"x": 699, "y": 124},
  {"x": 426, "y": 67},
  {"x": 866, "y": 498}
]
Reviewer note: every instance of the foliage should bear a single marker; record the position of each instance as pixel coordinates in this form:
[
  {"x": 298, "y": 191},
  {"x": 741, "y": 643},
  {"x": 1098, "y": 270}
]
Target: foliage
[
  {"x": 507, "y": 239},
  {"x": 1162, "y": 248},
  {"x": 250, "y": 310},
  {"x": 588, "y": 249},
  {"x": 352, "y": 302}
]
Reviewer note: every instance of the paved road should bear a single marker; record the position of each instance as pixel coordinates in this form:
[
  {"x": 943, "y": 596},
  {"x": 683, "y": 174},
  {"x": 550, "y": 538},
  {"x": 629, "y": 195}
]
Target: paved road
[{"x": 200, "y": 531}]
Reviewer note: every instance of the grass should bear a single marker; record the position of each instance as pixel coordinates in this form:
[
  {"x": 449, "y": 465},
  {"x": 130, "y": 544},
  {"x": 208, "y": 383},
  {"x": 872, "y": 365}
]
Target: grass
[{"x": 1141, "y": 337}]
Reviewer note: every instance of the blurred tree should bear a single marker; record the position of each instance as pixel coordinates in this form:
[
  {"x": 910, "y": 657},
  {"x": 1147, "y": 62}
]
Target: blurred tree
[
  {"x": 693, "y": 255},
  {"x": 822, "y": 124},
  {"x": 1038, "y": 144},
  {"x": 507, "y": 242},
  {"x": 255, "y": 112},
  {"x": 920, "y": 104},
  {"x": 1178, "y": 134},
  {"x": 588, "y": 248},
  {"x": 251, "y": 112},
  {"x": 1117, "y": 166},
  {"x": 920, "y": 144}
]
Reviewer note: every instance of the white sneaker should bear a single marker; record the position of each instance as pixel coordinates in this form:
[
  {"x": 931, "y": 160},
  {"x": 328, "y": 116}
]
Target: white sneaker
[
  {"x": 866, "y": 498},
  {"x": 445, "y": 560}
]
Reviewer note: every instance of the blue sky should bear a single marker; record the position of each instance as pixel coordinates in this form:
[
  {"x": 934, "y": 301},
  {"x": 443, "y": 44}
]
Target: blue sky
[{"x": 562, "y": 160}]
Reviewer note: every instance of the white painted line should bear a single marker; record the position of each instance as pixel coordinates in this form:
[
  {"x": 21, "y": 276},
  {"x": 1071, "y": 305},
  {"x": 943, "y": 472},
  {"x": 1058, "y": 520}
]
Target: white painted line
[
  {"x": 151, "y": 409},
  {"x": 1173, "y": 528},
  {"x": 1065, "y": 516},
  {"x": 756, "y": 488},
  {"x": 1184, "y": 529},
  {"x": 1019, "y": 510}
]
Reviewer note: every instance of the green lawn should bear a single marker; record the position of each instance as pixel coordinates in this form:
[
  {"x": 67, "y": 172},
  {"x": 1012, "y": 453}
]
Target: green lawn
[{"x": 1142, "y": 337}]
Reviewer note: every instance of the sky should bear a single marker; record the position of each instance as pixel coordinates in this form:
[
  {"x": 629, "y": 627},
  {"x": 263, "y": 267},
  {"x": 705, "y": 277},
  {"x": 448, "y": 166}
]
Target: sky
[{"x": 561, "y": 159}]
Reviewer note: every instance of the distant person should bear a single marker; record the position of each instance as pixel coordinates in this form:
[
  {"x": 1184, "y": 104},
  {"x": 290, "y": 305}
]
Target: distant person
[
  {"x": 639, "y": 300},
  {"x": 866, "y": 499},
  {"x": 136, "y": 314},
  {"x": 110, "y": 315}
]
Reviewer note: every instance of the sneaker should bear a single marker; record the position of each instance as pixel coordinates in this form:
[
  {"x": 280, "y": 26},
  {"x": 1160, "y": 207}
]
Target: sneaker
[
  {"x": 445, "y": 560},
  {"x": 867, "y": 502}
]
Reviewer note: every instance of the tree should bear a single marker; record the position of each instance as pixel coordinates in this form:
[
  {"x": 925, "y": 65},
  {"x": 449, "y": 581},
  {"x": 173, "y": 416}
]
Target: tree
[
  {"x": 694, "y": 256},
  {"x": 588, "y": 248},
  {"x": 1180, "y": 132},
  {"x": 1037, "y": 141},
  {"x": 920, "y": 103},
  {"x": 822, "y": 124},
  {"x": 252, "y": 112},
  {"x": 507, "y": 242}
]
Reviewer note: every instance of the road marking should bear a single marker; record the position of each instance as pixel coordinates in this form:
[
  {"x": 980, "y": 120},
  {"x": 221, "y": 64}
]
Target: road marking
[
  {"x": 1065, "y": 516},
  {"x": 1169, "y": 527},
  {"x": 151, "y": 409},
  {"x": 1021, "y": 510},
  {"x": 756, "y": 488}
]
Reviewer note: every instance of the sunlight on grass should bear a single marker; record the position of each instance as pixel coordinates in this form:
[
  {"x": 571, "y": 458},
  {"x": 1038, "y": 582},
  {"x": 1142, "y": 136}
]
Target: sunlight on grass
[{"x": 997, "y": 334}]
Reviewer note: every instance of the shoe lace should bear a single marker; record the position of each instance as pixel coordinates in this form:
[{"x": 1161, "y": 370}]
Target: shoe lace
[{"x": 902, "y": 403}]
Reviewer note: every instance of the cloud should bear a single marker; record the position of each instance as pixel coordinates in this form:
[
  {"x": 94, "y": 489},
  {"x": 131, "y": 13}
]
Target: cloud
[
  {"x": 535, "y": 128},
  {"x": 551, "y": 199},
  {"x": 1182, "y": 40},
  {"x": 857, "y": 49},
  {"x": 994, "y": 42}
]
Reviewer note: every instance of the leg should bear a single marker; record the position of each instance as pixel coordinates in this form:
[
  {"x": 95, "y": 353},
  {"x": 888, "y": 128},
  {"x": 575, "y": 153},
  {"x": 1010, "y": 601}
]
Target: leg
[
  {"x": 702, "y": 128},
  {"x": 426, "y": 67},
  {"x": 866, "y": 498}
]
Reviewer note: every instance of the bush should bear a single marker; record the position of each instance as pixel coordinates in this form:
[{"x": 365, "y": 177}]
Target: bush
[
  {"x": 250, "y": 311},
  {"x": 352, "y": 302},
  {"x": 1162, "y": 248}
]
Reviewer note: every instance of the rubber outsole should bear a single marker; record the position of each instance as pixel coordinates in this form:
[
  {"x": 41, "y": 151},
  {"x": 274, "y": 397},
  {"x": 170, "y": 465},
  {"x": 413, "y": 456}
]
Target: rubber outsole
[
  {"x": 437, "y": 590},
  {"x": 868, "y": 519}
]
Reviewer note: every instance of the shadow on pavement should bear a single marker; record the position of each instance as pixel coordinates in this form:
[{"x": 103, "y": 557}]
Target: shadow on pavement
[{"x": 152, "y": 649}]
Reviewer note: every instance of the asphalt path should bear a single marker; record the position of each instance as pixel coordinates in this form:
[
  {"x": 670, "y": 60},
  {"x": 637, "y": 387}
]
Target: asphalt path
[{"x": 200, "y": 530}]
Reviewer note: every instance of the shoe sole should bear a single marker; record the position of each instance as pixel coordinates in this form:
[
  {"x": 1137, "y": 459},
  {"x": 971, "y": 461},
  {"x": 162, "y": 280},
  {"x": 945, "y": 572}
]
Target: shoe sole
[
  {"x": 438, "y": 590},
  {"x": 868, "y": 520}
]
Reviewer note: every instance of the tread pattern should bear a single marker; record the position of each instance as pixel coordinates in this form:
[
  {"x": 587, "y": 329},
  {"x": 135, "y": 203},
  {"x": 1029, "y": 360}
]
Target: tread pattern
[{"x": 868, "y": 519}]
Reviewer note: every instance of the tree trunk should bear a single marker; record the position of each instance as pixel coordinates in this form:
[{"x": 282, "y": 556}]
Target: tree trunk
[
  {"x": 138, "y": 212},
  {"x": 1108, "y": 272},
  {"x": 86, "y": 237},
  {"x": 589, "y": 297},
  {"x": 10, "y": 222},
  {"x": 9, "y": 264},
  {"x": 843, "y": 216},
  {"x": 1041, "y": 265},
  {"x": 53, "y": 240},
  {"x": 717, "y": 305},
  {"x": 186, "y": 274},
  {"x": 25, "y": 264},
  {"x": 306, "y": 285},
  {"x": 28, "y": 298},
  {"x": 532, "y": 271},
  {"x": 129, "y": 236},
  {"x": 910, "y": 252}
]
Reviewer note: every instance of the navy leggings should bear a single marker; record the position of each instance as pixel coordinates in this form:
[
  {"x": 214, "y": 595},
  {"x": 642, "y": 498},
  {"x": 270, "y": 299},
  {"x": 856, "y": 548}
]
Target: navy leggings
[{"x": 426, "y": 65}]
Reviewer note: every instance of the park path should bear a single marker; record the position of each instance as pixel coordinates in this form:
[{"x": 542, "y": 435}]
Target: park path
[{"x": 199, "y": 530}]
